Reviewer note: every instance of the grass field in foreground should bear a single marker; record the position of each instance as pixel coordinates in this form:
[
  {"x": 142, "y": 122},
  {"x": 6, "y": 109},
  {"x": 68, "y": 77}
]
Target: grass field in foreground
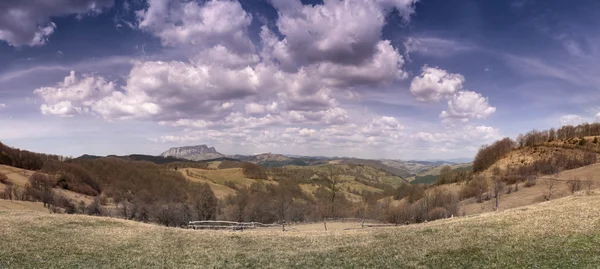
[{"x": 563, "y": 233}]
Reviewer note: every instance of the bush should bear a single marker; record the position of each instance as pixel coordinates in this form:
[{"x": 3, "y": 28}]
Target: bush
[
  {"x": 437, "y": 213},
  {"x": 4, "y": 179},
  {"x": 531, "y": 181},
  {"x": 94, "y": 208},
  {"x": 477, "y": 187}
]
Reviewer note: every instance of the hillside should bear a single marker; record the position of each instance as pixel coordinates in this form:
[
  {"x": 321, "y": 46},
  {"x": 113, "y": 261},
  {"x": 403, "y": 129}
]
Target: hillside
[
  {"x": 562, "y": 233},
  {"x": 401, "y": 172},
  {"x": 431, "y": 175},
  {"x": 560, "y": 184},
  {"x": 277, "y": 160}
]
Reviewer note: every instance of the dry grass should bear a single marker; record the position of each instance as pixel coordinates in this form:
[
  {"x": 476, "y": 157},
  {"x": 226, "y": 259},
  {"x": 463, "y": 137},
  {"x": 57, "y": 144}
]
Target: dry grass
[
  {"x": 563, "y": 233},
  {"x": 20, "y": 177},
  {"x": 221, "y": 191},
  {"x": 6, "y": 205},
  {"x": 531, "y": 195}
]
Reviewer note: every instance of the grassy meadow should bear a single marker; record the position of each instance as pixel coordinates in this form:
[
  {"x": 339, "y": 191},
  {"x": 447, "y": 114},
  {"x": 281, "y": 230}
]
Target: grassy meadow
[{"x": 563, "y": 233}]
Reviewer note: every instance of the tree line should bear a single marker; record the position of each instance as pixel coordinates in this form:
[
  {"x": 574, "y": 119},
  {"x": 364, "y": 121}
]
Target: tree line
[{"x": 489, "y": 154}]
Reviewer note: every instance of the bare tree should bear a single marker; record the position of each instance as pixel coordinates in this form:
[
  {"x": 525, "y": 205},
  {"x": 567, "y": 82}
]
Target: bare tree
[
  {"x": 589, "y": 181},
  {"x": 574, "y": 184},
  {"x": 282, "y": 200},
  {"x": 332, "y": 184},
  {"x": 499, "y": 186},
  {"x": 205, "y": 202},
  {"x": 549, "y": 186},
  {"x": 8, "y": 192}
]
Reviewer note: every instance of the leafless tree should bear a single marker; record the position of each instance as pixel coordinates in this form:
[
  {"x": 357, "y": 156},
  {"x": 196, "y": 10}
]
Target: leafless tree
[
  {"x": 549, "y": 186},
  {"x": 589, "y": 181},
  {"x": 8, "y": 192},
  {"x": 332, "y": 183},
  {"x": 498, "y": 187},
  {"x": 574, "y": 184},
  {"x": 205, "y": 202}
]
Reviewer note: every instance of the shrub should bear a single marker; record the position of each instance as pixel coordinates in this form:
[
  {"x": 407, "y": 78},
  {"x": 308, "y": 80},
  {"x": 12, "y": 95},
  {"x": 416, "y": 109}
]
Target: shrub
[
  {"x": 475, "y": 188},
  {"x": 437, "y": 213},
  {"x": 7, "y": 193},
  {"x": 531, "y": 181},
  {"x": 4, "y": 179},
  {"x": 94, "y": 208}
]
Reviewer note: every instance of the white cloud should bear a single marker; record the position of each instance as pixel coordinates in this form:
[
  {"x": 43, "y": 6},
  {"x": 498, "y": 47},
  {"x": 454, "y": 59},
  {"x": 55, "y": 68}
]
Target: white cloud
[
  {"x": 435, "y": 83},
  {"x": 598, "y": 117},
  {"x": 227, "y": 105},
  {"x": 28, "y": 23},
  {"x": 342, "y": 32},
  {"x": 74, "y": 95},
  {"x": 2, "y": 106},
  {"x": 190, "y": 24},
  {"x": 466, "y": 105},
  {"x": 254, "y": 108},
  {"x": 572, "y": 120},
  {"x": 385, "y": 67},
  {"x": 293, "y": 90}
]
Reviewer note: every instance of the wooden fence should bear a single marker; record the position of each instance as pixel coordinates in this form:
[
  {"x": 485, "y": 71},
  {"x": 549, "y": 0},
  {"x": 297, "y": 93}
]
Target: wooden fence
[{"x": 228, "y": 225}]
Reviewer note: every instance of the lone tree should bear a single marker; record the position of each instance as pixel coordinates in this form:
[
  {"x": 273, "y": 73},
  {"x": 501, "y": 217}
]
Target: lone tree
[
  {"x": 331, "y": 182},
  {"x": 499, "y": 187},
  {"x": 549, "y": 187},
  {"x": 589, "y": 181}
]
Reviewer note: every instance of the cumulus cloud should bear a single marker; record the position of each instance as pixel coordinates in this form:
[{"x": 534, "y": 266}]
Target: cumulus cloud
[
  {"x": 434, "y": 84},
  {"x": 28, "y": 23},
  {"x": 74, "y": 95},
  {"x": 291, "y": 88},
  {"x": 191, "y": 24},
  {"x": 467, "y": 105},
  {"x": 598, "y": 117},
  {"x": 254, "y": 108},
  {"x": 341, "y": 32},
  {"x": 2, "y": 106},
  {"x": 572, "y": 120}
]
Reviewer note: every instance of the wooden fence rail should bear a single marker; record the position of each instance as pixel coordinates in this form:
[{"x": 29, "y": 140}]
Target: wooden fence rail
[{"x": 228, "y": 225}]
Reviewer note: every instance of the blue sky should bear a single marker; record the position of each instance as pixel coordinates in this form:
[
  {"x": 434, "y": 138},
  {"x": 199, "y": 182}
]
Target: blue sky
[{"x": 400, "y": 79}]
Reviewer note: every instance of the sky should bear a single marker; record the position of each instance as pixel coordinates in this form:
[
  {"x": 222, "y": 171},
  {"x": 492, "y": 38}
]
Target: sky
[{"x": 396, "y": 79}]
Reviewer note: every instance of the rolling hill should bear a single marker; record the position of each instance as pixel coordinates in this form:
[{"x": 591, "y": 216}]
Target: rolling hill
[{"x": 562, "y": 233}]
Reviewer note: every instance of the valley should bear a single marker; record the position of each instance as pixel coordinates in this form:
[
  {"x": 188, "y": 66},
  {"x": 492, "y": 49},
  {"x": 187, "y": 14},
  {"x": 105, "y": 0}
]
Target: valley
[{"x": 513, "y": 189}]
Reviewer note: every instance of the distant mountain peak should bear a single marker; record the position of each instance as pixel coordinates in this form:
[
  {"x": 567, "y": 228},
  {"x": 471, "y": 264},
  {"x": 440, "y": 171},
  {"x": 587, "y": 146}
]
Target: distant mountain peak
[{"x": 194, "y": 153}]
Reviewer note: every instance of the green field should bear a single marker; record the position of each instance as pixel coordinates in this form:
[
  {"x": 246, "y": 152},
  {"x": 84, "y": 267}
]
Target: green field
[{"x": 564, "y": 233}]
